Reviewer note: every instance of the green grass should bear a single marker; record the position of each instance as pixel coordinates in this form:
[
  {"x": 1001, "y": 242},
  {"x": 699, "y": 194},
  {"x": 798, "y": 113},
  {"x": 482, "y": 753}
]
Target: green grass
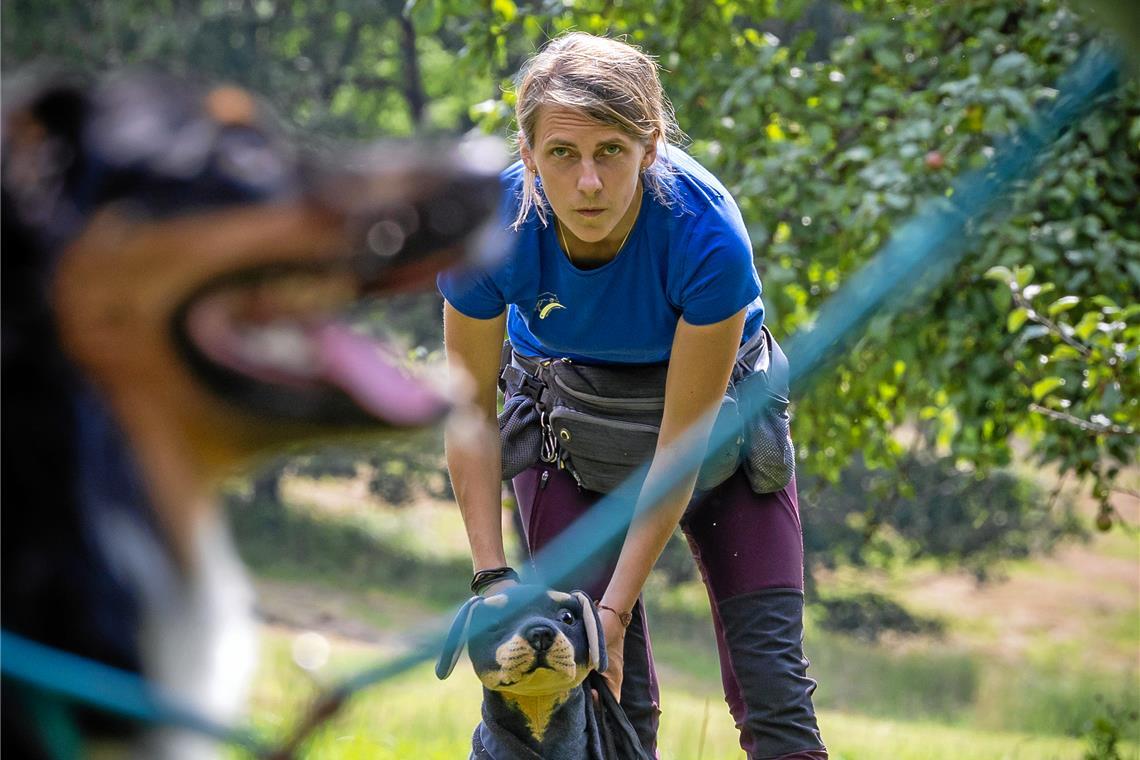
[
  {"x": 418, "y": 717},
  {"x": 1052, "y": 698},
  {"x": 914, "y": 679},
  {"x": 960, "y": 697},
  {"x": 362, "y": 550},
  {"x": 857, "y": 737},
  {"x": 1119, "y": 544}
]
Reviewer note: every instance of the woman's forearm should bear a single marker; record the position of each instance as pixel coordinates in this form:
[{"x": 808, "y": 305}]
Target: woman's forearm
[
  {"x": 471, "y": 439},
  {"x": 473, "y": 462},
  {"x": 648, "y": 534},
  {"x": 699, "y": 369}
]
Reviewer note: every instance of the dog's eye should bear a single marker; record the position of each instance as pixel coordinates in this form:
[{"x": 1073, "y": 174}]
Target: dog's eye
[{"x": 566, "y": 616}]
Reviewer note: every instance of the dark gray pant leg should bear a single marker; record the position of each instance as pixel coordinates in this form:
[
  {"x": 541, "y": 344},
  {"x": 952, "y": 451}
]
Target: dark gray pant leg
[
  {"x": 749, "y": 550},
  {"x": 639, "y": 692},
  {"x": 763, "y": 633}
]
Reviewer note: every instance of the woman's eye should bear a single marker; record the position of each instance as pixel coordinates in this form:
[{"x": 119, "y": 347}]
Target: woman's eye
[
  {"x": 611, "y": 150},
  {"x": 560, "y": 152},
  {"x": 567, "y": 617}
]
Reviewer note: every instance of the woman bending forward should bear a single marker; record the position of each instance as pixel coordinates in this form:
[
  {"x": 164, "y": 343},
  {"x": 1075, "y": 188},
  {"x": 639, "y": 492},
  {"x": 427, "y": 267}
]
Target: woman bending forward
[{"x": 630, "y": 252}]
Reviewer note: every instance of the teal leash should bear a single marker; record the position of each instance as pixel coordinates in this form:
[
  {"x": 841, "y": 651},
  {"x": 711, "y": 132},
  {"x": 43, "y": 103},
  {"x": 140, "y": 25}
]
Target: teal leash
[
  {"x": 80, "y": 680},
  {"x": 920, "y": 252}
]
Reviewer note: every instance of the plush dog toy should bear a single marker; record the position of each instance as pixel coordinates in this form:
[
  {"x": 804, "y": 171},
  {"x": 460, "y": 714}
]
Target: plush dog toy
[
  {"x": 537, "y": 653},
  {"x": 173, "y": 272}
]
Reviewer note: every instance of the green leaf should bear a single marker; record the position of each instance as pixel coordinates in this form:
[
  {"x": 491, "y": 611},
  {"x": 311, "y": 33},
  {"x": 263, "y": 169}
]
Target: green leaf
[
  {"x": 1063, "y": 304},
  {"x": 1087, "y": 326},
  {"x": 1024, "y": 275},
  {"x": 859, "y": 153},
  {"x": 1010, "y": 64},
  {"x": 888, "y": 57},
  {"x": 1098, "y": 135},
  {"x": 896, "y": 201},
  {"x": 820, "y": 134},
  {"x": 1016, "y": 319},
  {"x": 1064, "y": 352},
  {"x": 999, "y": 273},
  {"x": 505, "y": 9},
  {"x": 1042, "y": 387}
]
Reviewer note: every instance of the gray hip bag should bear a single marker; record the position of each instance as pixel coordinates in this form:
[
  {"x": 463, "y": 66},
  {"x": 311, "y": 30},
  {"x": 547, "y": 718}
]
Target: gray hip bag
[{"x": 601, "y": 423}]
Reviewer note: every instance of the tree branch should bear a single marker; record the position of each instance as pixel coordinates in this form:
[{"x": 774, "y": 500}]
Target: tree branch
[
  {"x": 1053, "y": 327},
  {"x": 413, "y": 88},
  {"x": 1092, "y": 427},
  {"x": 332, "y": 80},
  {"x": 1127, "y": 491}
]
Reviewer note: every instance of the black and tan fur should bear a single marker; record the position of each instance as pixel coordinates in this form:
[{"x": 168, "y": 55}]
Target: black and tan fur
[
  {"x": 534, "y": 649},
  {"x": 158, "y": 237}
]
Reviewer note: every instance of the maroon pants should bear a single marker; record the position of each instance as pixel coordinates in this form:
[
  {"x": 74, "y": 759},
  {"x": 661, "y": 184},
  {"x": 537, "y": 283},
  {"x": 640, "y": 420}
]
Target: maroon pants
[{"x": 749, "y": 550}]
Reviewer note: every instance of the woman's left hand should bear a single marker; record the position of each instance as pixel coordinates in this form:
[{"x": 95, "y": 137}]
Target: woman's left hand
[{"x": 615, "y": 651}]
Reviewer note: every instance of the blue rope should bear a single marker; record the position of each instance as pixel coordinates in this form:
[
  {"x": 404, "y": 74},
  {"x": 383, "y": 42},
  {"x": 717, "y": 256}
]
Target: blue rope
[
  {"x": 930, "y": 244},
  {"x": 920, "y": 253},
  {"x": 92, "y": 683}
]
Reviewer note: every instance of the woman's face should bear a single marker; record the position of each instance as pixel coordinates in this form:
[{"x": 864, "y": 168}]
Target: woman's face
[{"x": 590, "y": 172}]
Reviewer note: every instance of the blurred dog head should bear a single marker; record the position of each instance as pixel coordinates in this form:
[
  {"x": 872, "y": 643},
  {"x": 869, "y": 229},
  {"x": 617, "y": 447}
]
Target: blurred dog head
[
  {"x": 166, "y": 246},
  {"x": 175, "y": 280}
]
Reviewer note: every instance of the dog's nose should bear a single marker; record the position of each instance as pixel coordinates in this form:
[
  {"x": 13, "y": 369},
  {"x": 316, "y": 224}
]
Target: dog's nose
[{"x": 540, "y": 636}]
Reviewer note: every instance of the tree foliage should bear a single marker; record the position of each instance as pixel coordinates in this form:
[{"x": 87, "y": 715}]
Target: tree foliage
[
  {"x": 931, "y": 509},
  {"x": 829, "y": 147},
  {"x": 344, "y": 68},
  {"x": 829, "y": 121}
]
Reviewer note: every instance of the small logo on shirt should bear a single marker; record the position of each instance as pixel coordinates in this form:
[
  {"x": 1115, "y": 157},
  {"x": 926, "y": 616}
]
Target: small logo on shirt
[{"x": 547, "y": 302}]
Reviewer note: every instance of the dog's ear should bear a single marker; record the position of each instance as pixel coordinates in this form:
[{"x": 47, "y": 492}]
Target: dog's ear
[
  {"x": 42, "y": 156},
  {"x": 456, "y": 638},
  {"x": 596, "y": 639}
]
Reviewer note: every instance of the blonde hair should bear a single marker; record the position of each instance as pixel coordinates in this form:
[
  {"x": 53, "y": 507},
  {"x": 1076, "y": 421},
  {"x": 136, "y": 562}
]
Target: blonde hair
[{"x": 607, "y": 80}]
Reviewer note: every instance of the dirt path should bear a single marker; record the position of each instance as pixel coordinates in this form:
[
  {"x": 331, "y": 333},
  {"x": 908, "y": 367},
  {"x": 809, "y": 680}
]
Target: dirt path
[
  {"x": 1082, "y": 593},
  {"x": 381, "y": 621}
]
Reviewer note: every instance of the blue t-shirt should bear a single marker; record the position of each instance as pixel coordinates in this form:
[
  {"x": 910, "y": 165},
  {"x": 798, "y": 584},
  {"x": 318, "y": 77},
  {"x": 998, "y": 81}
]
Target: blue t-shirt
[{"x": 691, "y": 259}]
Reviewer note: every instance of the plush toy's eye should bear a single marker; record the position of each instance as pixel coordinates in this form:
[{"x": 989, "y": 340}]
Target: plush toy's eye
[{"x": 566, "y": 616}]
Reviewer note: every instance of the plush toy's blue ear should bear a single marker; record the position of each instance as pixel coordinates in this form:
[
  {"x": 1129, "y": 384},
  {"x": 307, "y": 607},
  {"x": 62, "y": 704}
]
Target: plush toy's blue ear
[
  {"x": 456, "y": 638},
  {"x": 599, "y": 661}
]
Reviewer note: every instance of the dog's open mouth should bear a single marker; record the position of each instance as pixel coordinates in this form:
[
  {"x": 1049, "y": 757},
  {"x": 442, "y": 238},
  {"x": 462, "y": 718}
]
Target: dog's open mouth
[
  {"x": 272, "y": 337},
  {"x": 285, "y": 332}
]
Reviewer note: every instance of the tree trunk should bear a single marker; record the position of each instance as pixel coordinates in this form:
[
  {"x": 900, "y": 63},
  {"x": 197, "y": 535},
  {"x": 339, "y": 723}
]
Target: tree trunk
[{"x": 413, "y": 83}]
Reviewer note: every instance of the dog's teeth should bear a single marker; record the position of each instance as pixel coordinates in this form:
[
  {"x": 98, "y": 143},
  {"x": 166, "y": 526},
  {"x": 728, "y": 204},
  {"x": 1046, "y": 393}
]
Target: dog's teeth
[{"x": 281, "y": 347}]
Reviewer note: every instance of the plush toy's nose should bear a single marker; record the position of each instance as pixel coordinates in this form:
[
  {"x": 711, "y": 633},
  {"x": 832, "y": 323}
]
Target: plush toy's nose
[{"x": 540, "y": 636}]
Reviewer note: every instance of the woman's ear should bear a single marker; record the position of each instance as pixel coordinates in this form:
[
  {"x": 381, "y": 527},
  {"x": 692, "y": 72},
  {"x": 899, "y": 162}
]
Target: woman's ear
[
  {"x": 650, "y": 152},
  {"x": 527, "y": 157}
]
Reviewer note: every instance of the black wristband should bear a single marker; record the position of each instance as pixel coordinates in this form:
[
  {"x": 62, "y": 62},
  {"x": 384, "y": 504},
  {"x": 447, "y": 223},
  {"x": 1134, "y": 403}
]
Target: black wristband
[{"x": 486, "y": 578}]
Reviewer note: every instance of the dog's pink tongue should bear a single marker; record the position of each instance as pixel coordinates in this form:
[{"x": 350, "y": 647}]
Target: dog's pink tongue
[{"x": 352, "y": 363}]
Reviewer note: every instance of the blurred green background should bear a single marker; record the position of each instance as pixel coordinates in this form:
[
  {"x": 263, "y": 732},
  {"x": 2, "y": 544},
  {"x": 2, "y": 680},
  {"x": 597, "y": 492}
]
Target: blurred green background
[{"x": 955, "y": 464}]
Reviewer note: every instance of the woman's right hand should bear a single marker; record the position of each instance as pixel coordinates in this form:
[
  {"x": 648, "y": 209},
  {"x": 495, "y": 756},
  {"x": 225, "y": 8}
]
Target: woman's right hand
[{"x": 615, "y": 650}]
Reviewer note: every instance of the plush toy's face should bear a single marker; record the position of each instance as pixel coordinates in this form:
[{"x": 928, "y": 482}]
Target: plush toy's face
[
  {"x": 536, "y": 649},
  {"x": 531, "y": 645}
]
